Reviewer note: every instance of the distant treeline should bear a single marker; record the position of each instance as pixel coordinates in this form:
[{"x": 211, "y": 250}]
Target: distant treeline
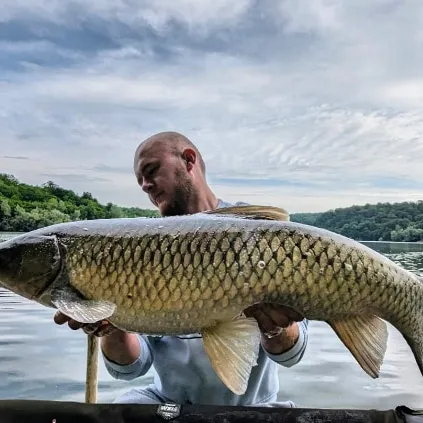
[
  {"x": 26, "y": 207},
  {"x": 371, "y": 222}
]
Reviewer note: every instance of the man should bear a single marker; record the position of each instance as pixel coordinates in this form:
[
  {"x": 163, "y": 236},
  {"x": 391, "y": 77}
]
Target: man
[{"x": 171, "y": 170}]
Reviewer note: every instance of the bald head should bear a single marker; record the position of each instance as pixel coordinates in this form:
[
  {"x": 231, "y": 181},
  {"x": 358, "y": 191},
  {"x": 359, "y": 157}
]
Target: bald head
[{"x": 170, "y": 141}]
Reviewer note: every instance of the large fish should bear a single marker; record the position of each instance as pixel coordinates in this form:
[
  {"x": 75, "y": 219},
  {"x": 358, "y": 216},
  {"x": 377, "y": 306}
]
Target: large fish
[{"x": 197, "y": 273}]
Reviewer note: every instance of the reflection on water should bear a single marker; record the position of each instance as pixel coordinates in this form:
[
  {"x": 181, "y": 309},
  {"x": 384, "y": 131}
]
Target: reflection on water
[
  {"x": 410, "y": 256},
  {"x": 40, "y": 360}
]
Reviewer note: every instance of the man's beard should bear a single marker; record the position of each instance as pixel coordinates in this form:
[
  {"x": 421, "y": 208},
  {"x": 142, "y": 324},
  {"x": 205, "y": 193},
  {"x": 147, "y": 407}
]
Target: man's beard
[{"x": 182, "y": 195}]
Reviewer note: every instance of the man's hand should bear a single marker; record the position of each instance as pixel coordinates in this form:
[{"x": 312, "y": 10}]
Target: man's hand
[
  {"x": 278, "y": 325},
  {"x": 121, "y": 347},
  {"x": 101, "y": 328}
]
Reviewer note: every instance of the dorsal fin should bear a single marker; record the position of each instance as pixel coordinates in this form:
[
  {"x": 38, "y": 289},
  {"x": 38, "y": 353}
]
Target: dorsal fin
[{"x": 253, "y": 212}]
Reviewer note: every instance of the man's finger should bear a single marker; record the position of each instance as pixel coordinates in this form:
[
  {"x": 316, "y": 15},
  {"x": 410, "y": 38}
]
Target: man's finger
[
  {"x": 105, "y": 330},
  {"x": 293, "y": 315},
  {"x": 90, "y": 328},
  {"x": 271, "y": 315},
  {"x": 60, "y": 318},
  {"x": 277, "y": 317},
  {"x": 249, "y": 312},
  {"x": 266, "y": 324},
  {"x": 99, "y": 329},
  {"x": 73, "y": 324},
  {"x": 287, "y": 311}
]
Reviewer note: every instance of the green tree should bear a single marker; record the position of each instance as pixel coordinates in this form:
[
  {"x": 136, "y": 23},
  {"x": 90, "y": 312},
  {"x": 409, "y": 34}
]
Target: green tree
[
  {"x": 381, "y": 221},
  {"x": 26, "y": 207}
]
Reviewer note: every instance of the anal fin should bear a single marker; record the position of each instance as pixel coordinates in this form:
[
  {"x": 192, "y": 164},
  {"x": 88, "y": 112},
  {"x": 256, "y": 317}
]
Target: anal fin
[
  {"x": 70, "y": 303},
  {"x": 366, "y": 337},
  {"x": 233, "y": 349}
]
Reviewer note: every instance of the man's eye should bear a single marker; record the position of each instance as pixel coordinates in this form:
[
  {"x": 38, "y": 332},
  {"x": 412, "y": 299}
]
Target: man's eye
[{"x": 152, "y": 170}]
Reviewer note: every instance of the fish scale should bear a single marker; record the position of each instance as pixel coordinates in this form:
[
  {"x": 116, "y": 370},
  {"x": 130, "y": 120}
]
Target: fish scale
[
  {"x": 156, "y": 277},
  {"x": 185, "y": 274}
]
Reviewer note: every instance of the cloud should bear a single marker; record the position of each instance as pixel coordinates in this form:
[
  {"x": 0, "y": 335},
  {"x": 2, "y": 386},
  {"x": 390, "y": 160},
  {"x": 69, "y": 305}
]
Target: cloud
[
  {"x": 318, "y": 105},
  {"x": 73, "y": 178},
  {"x": 114, "y": 169},
  {"x": 157, "y": 14},
  {"x": 16, "y": 157}
]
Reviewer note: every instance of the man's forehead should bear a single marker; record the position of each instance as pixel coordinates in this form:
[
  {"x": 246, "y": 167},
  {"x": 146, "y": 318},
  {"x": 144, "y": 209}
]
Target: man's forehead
[{"x": 150, "y": 151}]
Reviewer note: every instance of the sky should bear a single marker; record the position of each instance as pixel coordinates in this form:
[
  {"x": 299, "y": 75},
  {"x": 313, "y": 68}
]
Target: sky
[{"x": 307, "y": 105}]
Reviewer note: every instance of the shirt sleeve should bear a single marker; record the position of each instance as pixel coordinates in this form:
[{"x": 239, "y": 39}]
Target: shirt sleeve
[
  {"x": 136, "y": 369},
  {"x": 295, "y": 354}
]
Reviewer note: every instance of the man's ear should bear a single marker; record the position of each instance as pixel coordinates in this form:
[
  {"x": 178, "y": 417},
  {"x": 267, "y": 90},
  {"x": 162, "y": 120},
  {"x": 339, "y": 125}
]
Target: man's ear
[{"x": 190, "y": 158}]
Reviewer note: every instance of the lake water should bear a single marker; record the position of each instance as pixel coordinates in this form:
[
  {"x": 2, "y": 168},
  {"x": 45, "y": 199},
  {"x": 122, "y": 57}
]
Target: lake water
[{"x": 40, "y": 360}]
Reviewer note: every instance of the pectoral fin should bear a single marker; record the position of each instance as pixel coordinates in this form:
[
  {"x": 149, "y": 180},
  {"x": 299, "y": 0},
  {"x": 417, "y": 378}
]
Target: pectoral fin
[
  {"x": 70, "y": 303},
  {"x": 366, "y": 337},
  {"x": 253, "y": 212},
  {"x": 233, "y": 349}
]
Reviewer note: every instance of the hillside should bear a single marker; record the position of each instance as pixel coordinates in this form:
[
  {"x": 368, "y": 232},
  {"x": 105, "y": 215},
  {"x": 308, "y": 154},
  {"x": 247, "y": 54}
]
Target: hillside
[
  {"x": 26, "y": 207},
  {"x": 371, "y": 222}
]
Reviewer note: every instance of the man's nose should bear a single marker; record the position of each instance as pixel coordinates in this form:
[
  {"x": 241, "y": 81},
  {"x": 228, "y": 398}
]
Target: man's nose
[{"x": 147, "y": 186}]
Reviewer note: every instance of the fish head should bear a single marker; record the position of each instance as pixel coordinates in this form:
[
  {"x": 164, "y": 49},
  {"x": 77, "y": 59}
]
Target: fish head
[{"x": 29, "y": 264}]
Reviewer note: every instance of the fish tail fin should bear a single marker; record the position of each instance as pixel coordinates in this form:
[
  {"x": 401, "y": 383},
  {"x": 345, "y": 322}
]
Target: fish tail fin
[
  {"x": 416, "y": 346},
  {"x": 414, "y": 334}
]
